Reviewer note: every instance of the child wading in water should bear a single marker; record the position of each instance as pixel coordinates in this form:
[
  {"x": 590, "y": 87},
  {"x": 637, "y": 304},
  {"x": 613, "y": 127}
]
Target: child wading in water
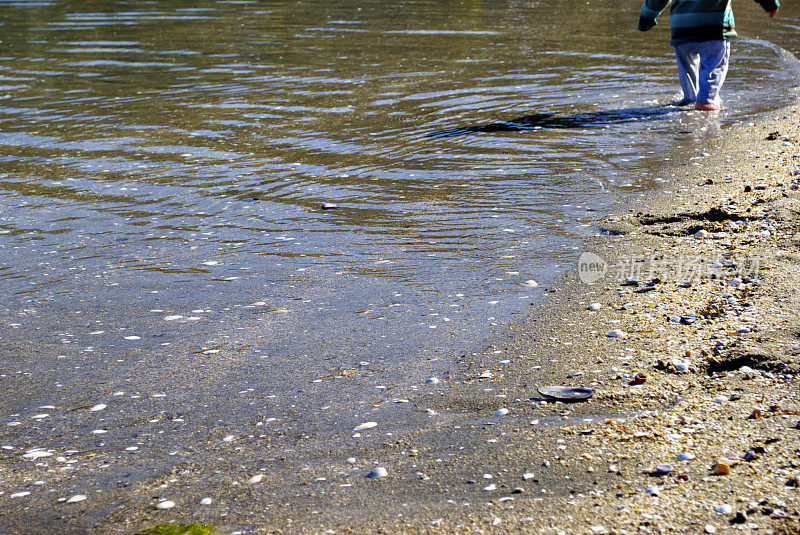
[{"x": 700, "y": 32}]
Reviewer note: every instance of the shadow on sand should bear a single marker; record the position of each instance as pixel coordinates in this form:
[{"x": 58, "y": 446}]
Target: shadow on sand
[{"x": 580, "y": 120}]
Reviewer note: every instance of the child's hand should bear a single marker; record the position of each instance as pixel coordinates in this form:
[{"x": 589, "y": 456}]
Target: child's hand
[{"x": 773, "y": 12}]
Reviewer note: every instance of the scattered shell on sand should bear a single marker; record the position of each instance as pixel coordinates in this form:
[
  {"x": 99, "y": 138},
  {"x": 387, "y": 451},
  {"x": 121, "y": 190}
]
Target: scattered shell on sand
[
  {"x": 166, "y": 504},
  {"x": 377, "y": 473},
  {"x": 255, "y": 479},
  {"x": 501, "y": 412},
  {"x": 433, "y": 381},
  {"x": 566, "y": 393},
  {"x": 595, "y": 306},
  {"x": 98, "y": 407},
  {"x": 206, "y": 501},
  {"x": 37, "y": 454},
  {"x": 365, "y": 425},
  {"x": 723, "y": 509},
  {"x": 664, "y": 468},
  {"x": 722, "y": 469},
  {"x": 77, "y": 498},
  {"x": 617, "y": 333}
]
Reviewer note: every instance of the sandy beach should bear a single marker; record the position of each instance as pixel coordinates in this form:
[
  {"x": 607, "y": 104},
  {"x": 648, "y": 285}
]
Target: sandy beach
[
  {"x": 691, "y": 343},
  {"x": 689, "y": 340}
]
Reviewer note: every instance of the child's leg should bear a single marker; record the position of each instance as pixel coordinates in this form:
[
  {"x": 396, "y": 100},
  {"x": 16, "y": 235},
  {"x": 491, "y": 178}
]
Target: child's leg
[
  {"x": 714, "y": 57},
  {"x": 688, "y": 68}
]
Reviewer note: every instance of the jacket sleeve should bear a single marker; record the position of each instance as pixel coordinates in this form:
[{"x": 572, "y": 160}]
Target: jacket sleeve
[
  {"x": 651, "y": 9},
  {"x": 769, "y": 5}
]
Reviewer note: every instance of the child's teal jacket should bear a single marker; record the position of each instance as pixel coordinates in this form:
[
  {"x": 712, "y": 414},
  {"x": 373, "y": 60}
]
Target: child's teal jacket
[{"x": 696, "y": 20}]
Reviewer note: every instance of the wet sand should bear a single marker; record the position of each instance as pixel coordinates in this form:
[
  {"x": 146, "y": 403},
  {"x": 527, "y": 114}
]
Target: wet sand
[{"x": 460, "y": 466}]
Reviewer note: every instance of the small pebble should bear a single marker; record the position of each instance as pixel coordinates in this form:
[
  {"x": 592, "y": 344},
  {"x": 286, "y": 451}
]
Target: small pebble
[
  {"x": 701, "y": 234},
  {"x": 617, "y": 333},
  {"x": 595, "y": 306},
  {"x": 166, "y": 504},
  {"x": 685, "y": 456},
  {"x": 653, "y": 490},
  {"x": 501, "y": 412},
  {"x": 206, "y": 501}
]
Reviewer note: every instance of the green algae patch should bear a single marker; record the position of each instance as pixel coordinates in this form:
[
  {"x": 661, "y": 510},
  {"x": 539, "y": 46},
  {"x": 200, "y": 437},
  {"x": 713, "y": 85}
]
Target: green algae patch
[{"x": 175, "y": 528}]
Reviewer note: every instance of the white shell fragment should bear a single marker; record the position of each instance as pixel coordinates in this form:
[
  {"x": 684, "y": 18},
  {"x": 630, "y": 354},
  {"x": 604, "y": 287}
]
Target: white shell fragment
[
  {"x": 723, "y": 509},
  {"x": 433, "y": 381},
  {"x": 681, "y": 365},
  {"x": 98, "y": 407},
  {"x": 617, "y": 333},
  {"x": 365, "y": 425},
  {"x": 166, "y": 504},
  {"x": 531, "y": 284},
  {"x": 501, "y": 412},
  {"x": 566, "y": 393},
  {"x": 206, "y": 501},
  {"x": 377, "y": 473},
  {"x": 33, "y": 455},
  {"x": 255, "y": 479},
  {"x": 77, "y": 498},
  {"x": 595, "y": 306}
]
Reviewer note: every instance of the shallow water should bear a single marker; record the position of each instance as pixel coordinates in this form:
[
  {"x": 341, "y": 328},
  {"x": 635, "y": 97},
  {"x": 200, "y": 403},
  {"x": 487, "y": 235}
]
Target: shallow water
[{"x": 164, "y": 165}]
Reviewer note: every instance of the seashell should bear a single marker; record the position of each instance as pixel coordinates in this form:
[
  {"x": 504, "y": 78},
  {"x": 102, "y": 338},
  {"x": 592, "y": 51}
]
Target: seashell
[
  {"x": 377, "y": 473},
  {"x": 77, "y": 498},
  {"x": 664, "y": 468},
  {"x": 566, "y": 393},
  {"x": 501, "y": 412},
  {"x": 686, "y": 456},
  {"x": 595, "y": 306},
  {"x": 617, "y": 333},
  {"x": 166, "y": 504},
  {"x": 432, "y": 381},
  {"x": 33, "y": 455},
  {"x": 723, "y": 509},
  {"x": 681, "y": 365},
  {"x": 365, "y": 425},
  {"x": 255, "y": 479},
  {"x": 722, "y": 469}
]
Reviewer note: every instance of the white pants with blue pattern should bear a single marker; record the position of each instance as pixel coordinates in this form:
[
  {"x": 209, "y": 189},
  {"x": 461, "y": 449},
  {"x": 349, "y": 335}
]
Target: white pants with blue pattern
[{"x": 702, "y": 67}]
